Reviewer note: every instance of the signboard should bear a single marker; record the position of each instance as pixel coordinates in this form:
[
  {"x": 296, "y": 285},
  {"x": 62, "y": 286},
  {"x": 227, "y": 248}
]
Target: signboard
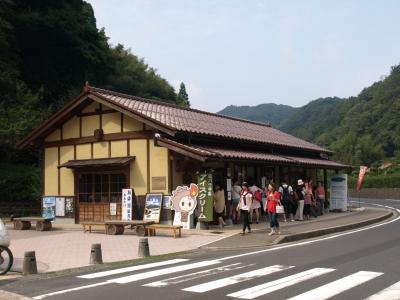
[
  {"x": 127, "y": 204},
  {"x": 113, "y": 209},
  {"x": 339, "y": 192},
  {"x": 159, "y": 183},
  {"x": 152, "y": 207},
  {"x": 69, "y": 207},
  {"x": 205, "y": 197},
  {"x": 49, "y": 207},
  {"x": 166, "y": 202},
  {"x": 363, "y": 169},
  {"x": 60, "y": 207}
]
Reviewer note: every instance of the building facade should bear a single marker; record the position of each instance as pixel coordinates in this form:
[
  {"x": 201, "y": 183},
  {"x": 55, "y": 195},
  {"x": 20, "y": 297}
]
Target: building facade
[{"x": 103, "y": 141}]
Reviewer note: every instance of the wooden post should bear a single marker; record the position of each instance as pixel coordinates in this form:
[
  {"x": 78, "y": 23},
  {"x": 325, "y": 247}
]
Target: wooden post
[{"x": 326, "y": 184}]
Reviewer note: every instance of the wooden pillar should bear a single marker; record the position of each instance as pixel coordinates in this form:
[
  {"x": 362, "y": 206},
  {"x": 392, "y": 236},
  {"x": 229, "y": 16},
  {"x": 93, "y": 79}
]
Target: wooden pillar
[
  {"x": 276, "y": 176},
  {"x": 326, "y": 184}
]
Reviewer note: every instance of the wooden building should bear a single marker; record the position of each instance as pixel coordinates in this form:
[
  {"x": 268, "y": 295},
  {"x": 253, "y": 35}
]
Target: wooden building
[{"x": 103, "y": 141}]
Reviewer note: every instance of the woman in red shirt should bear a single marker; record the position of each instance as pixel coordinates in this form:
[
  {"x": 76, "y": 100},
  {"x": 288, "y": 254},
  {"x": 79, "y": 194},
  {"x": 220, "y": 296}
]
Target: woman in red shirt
[{"x": 273, "y": 199}]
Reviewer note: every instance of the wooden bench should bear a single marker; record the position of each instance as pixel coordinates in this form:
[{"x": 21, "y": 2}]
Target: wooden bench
[
  {"x": 116, "y": 227},
  {"x": 24, "y": 223},
  {"x": 151, "y": 229}
]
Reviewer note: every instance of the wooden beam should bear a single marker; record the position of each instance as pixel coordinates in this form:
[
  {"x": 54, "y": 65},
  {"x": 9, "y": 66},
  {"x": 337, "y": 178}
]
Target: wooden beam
[{"x": 107, "y": 137}]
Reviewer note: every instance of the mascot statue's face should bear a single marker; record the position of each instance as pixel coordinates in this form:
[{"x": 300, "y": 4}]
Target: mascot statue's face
[{"x": 184, "y": 199}]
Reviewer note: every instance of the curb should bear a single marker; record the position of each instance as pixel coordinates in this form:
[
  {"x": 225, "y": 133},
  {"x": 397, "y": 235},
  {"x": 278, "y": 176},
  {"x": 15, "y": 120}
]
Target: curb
[
  {"x": 325, "y": 231},
  {"x": 12, "y": 296}
]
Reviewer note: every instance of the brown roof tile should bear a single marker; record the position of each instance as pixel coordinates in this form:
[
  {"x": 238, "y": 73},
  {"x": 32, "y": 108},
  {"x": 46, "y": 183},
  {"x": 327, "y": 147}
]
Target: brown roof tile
[{"x": 196, "y": 121}]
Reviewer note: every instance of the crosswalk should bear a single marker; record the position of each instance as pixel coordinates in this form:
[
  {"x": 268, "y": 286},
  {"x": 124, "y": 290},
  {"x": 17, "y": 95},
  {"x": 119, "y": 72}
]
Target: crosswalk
[{"x": 236, "y": 279}]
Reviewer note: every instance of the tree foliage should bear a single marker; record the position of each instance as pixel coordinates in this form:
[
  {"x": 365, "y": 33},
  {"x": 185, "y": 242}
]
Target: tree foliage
[
  {"x": 183, "y": 97},
  {"x": 48, "y": 50}
]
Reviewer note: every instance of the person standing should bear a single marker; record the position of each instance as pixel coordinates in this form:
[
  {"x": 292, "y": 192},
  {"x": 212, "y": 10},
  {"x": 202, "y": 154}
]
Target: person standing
[
  {"x": 307, "y": 200},
  {"x": 256, "y": 205},
  {"x": 246, "y": 199},
  {"x": 273, "y": 199},
  {"x": 236, "y": 190},
  {"x": 320, "y": 196},
  {"x": 219, "y": 204},
  {"x": 286, "y": 192},
  {"x": 299, "y": 196}
]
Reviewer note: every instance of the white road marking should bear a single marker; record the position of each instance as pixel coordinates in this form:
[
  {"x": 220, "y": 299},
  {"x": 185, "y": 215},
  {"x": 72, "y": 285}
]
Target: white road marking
[
  {"x": 171, "y": 270},
  {"x": 278, "y": 284},
  {"x": 133, "y": 268},
  {"x": 212, "y": 285},
  {"x": 390, "y": 293},
  {"x": 196, "y": 275},
  {"x": 71, "y": 290},
  {"x": 336, "y": 287}
]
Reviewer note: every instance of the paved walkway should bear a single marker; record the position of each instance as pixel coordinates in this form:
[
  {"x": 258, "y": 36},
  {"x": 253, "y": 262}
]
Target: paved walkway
[{"x": 66, "y": 246}]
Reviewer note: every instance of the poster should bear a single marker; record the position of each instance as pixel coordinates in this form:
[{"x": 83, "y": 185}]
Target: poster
[
  {"x": 69, "y": 207},
  {"x": 113, "y": 209},
  {"x": 127, "y": 204},
  {"x": 339, "y": 192},
  {"x": 49, "y": 207},
  {"x": 60, "y": 207},
  {"x": 166, "y": 203},
  {"x": 152, "y": 207},
  {"x": 184, "y": 202},
  {"x": 205, "y": 197}
]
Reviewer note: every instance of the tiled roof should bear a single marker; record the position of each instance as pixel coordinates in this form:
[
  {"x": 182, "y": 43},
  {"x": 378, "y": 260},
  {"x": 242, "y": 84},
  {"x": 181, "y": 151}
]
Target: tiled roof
[
  {"x": 195, "y": 121},
  {"x": 116, "y": 161},
  {"x": 218, "y": 152}
]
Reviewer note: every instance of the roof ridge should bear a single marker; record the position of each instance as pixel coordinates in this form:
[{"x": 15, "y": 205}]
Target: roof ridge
[{"x": 95, "y": 89}]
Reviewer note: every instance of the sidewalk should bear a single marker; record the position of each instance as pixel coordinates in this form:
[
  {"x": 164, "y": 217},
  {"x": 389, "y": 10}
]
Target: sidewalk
[
  {"x": 66, "y": 246},
  {"x": 292, "y": 231}
]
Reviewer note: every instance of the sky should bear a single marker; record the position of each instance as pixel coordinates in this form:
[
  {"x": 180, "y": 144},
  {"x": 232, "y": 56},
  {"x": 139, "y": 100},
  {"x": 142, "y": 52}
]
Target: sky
[{"x": 250, "y": 52}]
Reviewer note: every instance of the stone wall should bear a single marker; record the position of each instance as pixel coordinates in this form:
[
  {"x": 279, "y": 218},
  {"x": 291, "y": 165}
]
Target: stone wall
[{"x": 385, "y": 193}]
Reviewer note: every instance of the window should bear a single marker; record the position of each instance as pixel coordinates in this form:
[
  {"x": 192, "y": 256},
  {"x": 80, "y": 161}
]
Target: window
[{"x": 101, "y": 187}]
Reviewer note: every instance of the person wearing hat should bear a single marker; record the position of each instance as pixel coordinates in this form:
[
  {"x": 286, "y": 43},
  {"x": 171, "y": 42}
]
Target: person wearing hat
[
  {"x": 299, "y": 196},
  {"x": 246, "y": 199}
]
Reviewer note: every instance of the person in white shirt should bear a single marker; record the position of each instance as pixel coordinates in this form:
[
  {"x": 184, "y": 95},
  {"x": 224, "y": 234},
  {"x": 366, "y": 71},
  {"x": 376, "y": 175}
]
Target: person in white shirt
[{"x": 246, "y": 199}]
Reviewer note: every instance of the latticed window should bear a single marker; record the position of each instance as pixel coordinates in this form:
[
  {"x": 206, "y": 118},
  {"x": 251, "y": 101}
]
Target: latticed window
[{"x": 101, "y": 187}]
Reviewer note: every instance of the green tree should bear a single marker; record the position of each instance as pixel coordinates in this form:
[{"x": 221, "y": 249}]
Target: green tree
[{"x": 183, "y": 97}]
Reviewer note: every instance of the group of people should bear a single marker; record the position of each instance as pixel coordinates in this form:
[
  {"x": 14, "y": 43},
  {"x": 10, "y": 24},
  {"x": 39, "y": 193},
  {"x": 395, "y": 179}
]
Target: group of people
[{"x": 296, "y": 203}]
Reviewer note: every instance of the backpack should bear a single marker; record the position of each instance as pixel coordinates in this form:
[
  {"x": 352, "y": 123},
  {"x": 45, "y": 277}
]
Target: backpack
[
  {"x": 258, "y": 196},
  {"x": 286, "y": 197}
]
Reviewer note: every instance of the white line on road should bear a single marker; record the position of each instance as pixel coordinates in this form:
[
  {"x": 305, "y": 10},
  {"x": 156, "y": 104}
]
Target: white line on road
[
  {"x": 133, "y": 268},
  {"x": 197, "y": 275},
  {"x": 155, "y": 273},
  {"x": 278, "y": 284},
  {"x": 390, "y": 293},
  {"x": 212, "y": 285},
  {"x": 71, "y": 290},
  {"x": 336, "y": 287}
]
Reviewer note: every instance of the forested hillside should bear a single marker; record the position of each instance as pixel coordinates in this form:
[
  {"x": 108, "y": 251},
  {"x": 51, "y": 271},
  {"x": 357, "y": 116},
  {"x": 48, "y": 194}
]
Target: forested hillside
[
  {"x": 272, "y": 113},
  {"x": 48, "y": 50},
  {"x": 361, "y": 130}
]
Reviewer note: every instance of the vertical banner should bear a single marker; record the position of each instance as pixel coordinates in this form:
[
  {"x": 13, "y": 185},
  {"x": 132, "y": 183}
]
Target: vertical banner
[
  {"x": 60, "y": 207},
  {"x": 205, "y": 197},
  {"x": 49, "y": 207},
  {"x": 69, "y": 207},
  {"x": 127, "y": 204},
  {"x": 363, "y": 169},
  {"x": 113, "y": 209},
  {"x": 339, "y": 192}
]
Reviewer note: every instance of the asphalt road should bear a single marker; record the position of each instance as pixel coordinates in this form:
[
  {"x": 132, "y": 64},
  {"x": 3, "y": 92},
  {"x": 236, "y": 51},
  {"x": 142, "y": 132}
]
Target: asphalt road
[{"x": 349, "y": 265}]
